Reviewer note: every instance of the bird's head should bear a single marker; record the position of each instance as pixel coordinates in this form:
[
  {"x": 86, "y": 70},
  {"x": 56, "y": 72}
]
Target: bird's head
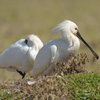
[
  {"x": 30, "y": 40},
  {"x": 71, "y": 27},
  {"x": 33, "y": 40},
  {"x": 75, "y": 31}
]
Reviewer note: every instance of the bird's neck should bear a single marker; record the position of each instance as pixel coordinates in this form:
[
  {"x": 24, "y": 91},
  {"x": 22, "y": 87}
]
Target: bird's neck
[
  {"x": 66, "y": 37},
  {"x": 75, "y": 43},
  {"x": 72, "y": 41},
  {"x": 35, "y": 47}
]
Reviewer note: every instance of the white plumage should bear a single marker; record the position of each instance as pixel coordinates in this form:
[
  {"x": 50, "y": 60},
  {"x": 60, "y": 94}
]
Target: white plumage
[
  {"x": 58, "y": 49},
  {"x": 21, "y": 55}
]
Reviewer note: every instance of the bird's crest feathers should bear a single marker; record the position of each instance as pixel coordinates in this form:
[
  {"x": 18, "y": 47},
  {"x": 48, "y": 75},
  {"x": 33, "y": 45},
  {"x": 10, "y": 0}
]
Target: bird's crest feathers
[{"x": 60, "y": 27}]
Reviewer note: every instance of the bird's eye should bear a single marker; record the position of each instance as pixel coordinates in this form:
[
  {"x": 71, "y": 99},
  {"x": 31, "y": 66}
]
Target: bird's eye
[
  {"x": 75, "y": 28},
  {"x": 26, "y": 41}
]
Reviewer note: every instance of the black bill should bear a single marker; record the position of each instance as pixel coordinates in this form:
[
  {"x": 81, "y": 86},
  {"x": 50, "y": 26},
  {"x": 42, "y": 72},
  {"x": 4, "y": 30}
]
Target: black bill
[{"x": 80, "y": 37}]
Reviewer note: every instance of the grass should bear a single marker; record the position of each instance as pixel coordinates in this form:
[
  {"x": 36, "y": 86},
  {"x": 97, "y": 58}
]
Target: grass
[
  {"x": 84, "y": 86},
  {"x": 3, "y": 87},
  {"x": 74, "y": 83},
  {"x": 6, "y": 96},
  {"x": 73, "y": 86}
]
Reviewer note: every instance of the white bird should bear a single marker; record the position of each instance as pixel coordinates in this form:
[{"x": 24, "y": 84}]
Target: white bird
[
  {"x": 21, "y": 55},
  {"x": 59, "y": 49}
]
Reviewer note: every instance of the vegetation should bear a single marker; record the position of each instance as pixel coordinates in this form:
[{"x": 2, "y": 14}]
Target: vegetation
[
  {"x": 72, "y": 82},
  {"x": 73, "y": 86}
]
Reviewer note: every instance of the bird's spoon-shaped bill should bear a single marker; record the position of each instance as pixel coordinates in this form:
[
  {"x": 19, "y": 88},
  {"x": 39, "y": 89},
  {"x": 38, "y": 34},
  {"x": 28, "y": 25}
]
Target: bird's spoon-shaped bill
[{"x": 80, "y": 37}]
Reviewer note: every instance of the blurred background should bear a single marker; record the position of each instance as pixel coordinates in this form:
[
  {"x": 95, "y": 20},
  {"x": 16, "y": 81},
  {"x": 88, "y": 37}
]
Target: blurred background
[{"x": 19, "y": 18}]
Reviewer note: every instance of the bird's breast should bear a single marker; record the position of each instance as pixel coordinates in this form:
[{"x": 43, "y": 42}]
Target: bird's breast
[{"x": 76, "y": 45}]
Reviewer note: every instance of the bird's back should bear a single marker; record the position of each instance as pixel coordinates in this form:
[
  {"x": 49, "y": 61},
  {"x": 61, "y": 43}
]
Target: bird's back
[{"x": 14, "y": 54}]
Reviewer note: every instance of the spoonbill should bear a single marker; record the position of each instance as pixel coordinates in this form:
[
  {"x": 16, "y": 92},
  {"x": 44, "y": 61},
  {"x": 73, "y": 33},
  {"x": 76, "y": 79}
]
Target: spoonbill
[
  {"x": 59, "y": 49},
  {"x": 21, "y": 55}
]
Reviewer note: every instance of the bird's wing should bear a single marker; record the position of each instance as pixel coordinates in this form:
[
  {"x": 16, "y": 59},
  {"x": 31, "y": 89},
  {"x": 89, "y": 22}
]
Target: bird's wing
[
  {"x": 44, "y": 58},
  {"x": 14, "y": 55}
]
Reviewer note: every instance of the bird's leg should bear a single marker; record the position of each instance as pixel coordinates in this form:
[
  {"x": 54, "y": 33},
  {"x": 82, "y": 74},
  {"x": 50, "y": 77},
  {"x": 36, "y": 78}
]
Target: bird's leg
[
  {"x": 22, "y": 74},
  {"x": 45, "y": 75}
]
